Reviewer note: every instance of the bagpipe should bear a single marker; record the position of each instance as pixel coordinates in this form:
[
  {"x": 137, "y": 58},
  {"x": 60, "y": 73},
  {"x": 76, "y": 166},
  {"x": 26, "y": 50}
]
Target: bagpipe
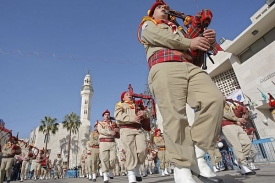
[
  {"x": 240, "y": 111},
  {"x": 15, "y": 146},
  {"x": 139, "y": 106},
  {"x": 195, "y": 26},
  {"x": 44, "y": 162}
]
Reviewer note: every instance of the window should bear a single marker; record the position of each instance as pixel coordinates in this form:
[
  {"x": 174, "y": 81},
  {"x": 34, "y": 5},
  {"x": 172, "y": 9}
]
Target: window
[
  {"x": 227, "y": 82},
  {"x": 257, "y": 46}
]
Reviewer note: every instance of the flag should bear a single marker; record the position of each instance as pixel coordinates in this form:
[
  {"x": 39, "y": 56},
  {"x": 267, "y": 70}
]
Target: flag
[
  {"x": 263, "y": 95},
  {"x": 250, "y": 101},
  {"x": 236, "y": 95}
]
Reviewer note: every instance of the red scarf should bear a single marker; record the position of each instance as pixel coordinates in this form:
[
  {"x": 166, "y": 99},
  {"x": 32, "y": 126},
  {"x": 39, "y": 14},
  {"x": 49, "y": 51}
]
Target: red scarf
[{"x": 167, "y": 22}]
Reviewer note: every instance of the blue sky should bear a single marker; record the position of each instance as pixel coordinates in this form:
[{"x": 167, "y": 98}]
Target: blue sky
[{"x": 46, "y": 48}]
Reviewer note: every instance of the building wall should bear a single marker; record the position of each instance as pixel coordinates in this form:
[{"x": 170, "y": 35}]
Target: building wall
[
  {"x": 253, "y": 75},
  {"x": 59, "y": 143}
]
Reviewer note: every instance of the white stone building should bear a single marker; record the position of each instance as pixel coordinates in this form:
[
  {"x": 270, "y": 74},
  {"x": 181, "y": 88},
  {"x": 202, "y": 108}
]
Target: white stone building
[
  {"x": 248, "y": 63},
  {"x": 59, "y": 141}
]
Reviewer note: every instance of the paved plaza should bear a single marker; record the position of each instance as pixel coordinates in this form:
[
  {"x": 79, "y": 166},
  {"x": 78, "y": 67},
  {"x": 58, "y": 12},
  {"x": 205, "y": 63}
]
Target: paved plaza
[{"x": 266, "y": 174}]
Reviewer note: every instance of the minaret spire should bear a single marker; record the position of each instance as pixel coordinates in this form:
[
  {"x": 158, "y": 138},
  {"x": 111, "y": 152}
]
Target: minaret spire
[{"x": 86, "y": 94}]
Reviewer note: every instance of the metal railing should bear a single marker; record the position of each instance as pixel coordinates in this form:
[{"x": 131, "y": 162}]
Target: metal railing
[
  {"x": 265, "y": 153},
  {"x": 266, "y": 150}
]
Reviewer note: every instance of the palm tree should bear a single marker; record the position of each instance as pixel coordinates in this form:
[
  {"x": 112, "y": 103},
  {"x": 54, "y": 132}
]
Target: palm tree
[
  {"x": 48, "y": 126},
  {"x": 72, "y": 124}
]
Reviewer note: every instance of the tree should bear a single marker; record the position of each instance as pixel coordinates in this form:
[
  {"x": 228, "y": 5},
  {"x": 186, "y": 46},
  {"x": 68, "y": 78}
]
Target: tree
[
  {"x": 48, "y": 126},
  {"x": 72, "y": 124}
]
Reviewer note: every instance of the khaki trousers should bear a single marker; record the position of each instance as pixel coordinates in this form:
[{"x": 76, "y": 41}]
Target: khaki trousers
[
  {"x": 116, "y": 170},
  {"x": 163, "y": 161},
  {"x": 89, "y": 163},
  {"x": 57, "y": 171},
  {"x": 133, "y": 141},
  {"x": 24, "y": 169},
  {"x": 174, "y": 84},
  {"x": 94, "y": 160},
  {"x": 37, "y": 170},
  {"x": 239, "y": 140},
  {"x": 253, "y": 152},
  {"x": 6, "y": 166},
  {"x": 107, "y": 153},
  {"x": 122, "y": 167},
  {"x": 150, "y": 164},
  {"x": 86, "y": 165},
  {"x": 215, "y": 156},
  {"x": 83, "y": 172}
]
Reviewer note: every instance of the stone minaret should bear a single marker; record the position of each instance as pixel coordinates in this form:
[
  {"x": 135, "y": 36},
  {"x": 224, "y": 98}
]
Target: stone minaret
[
  {"x": 86, "y": 94},
  {"x": 85, "y": 114}
]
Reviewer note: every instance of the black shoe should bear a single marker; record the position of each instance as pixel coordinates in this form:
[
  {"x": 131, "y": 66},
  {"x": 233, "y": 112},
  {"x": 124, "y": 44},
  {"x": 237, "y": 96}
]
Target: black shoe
[
  {"x": 210, "y": 179},
  {"x": 111, "y": 177},
  {"x": 249, "y": 173},
  {"x": 139, "y": 179},
  {"x": 106, "y": 181},
  {"x": 225, "y": 169},
  {"x": 94, "y": 180}
]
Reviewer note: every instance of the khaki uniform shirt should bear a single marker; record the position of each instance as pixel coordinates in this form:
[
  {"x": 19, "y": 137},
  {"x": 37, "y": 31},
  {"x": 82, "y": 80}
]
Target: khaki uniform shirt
[
  {"x": 59, "y": 161},
  {"x": 159, "y": 141},
  {"x": 150, "y": 156},
  {"x": 122, "y": 156},
  {"x": 105, "y": 129},
  {"x": 25, "y": 155},
  {"x": 161, "y": 36},
  {"x": 82, "y": 158},
  {"x": 94, "y": 138},
  {"x": 124, "y": 114},
  {"x": 7, "y": 150},
  {"x": 228, "y": 113}
]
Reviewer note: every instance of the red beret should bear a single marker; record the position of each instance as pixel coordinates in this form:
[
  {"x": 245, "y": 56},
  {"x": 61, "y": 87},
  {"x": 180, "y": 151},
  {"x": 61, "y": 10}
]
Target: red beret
[
  {"x": 105, "y": 112},
  {"x": 156, "y": 131},
  {"x": 122, "y": 95},
  {"x": 151, "y": 12}
]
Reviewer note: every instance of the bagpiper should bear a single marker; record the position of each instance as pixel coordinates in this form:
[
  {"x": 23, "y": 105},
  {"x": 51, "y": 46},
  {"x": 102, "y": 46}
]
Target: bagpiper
[{"x": 107, "y": 146}]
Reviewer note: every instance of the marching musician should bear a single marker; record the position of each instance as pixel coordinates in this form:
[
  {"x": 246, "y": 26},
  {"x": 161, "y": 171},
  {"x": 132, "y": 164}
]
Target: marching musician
[
  {"x": 149, "y": 162},
  {"x": 175, "y": 80},
  {"x": 39, "y": 159},
  {"x": 89, "y": 159},
  {"x": 58, "y": 162},
  {"x": 234, "y": 133},
  {"x": 241, "y": 111},
  {"x": 94, "y": 141},
  {"x": 27, "y": 156},
  {"x": 83, "y": 166},
  {"x": 122, "y": 160},
  {"x": 132, "y": 135},
  {"x": 159, "y": 141},
  {"x": 107, "y": 146},
  {"x": 9, "y": 150}
]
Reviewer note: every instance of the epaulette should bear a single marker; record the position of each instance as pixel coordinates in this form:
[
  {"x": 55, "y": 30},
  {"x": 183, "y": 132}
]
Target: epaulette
[
  {"x": 119, "y": 104},
  {"x": 144, "y": 19}
]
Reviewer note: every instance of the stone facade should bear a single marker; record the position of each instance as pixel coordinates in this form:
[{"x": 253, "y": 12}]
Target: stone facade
[
  {"x": 59, "y": 141},
  {"x": 251, "y": 57}
]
